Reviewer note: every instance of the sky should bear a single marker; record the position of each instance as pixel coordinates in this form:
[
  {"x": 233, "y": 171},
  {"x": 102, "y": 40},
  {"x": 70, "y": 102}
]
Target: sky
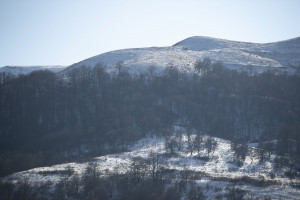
[{"x": 63, "y": 32}]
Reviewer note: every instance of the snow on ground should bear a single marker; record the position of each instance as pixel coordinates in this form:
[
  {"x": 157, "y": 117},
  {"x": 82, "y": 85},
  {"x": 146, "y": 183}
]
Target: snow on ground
[
  {"x": 211, "y": 188},
  {"x": 121, "y": 161},
  {"x": 285, "y": 52},
  {"x": 216, "y": 172}
]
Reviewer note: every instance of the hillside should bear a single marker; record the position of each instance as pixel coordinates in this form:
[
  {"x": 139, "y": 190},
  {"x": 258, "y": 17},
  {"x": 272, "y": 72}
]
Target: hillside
[
  {"x": 284, "y": 55},
  {"x": 214, "y": 177},
  {"x": 156, "y": 123},
  {"x": 254, "y": 57}
]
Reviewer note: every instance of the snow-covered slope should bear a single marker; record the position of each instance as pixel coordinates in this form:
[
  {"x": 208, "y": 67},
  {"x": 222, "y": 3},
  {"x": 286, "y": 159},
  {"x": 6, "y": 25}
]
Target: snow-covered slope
[
  {"x": 284, "y": 55},
  {"x": 218, "y": 172},
  {"x": 18, "y": 70}
]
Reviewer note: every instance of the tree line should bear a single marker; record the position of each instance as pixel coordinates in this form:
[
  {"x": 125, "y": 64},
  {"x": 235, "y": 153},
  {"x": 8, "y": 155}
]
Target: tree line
[{"x": 46, "y": 118}]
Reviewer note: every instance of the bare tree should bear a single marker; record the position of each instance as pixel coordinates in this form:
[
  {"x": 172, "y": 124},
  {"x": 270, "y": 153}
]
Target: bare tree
[
  {"x": 179, "y": 143},
  {"x": 170, "y": 144},
  {"x": 91, "y": 176},
  {"x": 138, "y": 168},
  {"x": 203, "y": 66},
  {"x": 240, "y": 153},
  {"x": 73, "y": 186},
  {"x": 210, "y": 144},
  {"x": 261, "y": 152},
  {"x": 269, "y": 147},
  {"x": 190, "y": 144},
  {"x": 155, "y": 165},
  {"x": 198, "y": 143}
]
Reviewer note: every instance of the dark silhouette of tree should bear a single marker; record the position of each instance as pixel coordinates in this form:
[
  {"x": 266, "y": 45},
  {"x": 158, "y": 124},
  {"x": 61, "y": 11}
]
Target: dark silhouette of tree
[{"x": 210, "y": 145}]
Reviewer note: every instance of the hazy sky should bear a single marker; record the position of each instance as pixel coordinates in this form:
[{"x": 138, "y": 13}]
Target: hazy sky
[{"x": 62, "y": 32}]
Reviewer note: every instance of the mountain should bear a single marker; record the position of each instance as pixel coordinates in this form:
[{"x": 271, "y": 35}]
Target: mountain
[
  {"x": 278, "y": 54},
  {"x": 221, "y": 135},
  {"x": 18, "y": 70},
  {"x": 283, "y": 55}
]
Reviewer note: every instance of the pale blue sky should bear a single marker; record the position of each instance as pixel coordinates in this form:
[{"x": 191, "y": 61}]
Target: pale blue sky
[{"x": 62, "y": 32}]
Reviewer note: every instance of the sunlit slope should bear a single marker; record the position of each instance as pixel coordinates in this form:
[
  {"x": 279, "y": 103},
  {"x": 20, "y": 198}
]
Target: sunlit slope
[{"x": 284, "y": 55}]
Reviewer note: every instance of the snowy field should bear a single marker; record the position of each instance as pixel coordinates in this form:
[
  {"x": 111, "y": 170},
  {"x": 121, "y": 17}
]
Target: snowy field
[{"x": 216, "y": 174}]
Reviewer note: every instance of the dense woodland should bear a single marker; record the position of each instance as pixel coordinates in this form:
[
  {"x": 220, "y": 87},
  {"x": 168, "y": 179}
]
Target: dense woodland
[{"x": 47, "y": 118}]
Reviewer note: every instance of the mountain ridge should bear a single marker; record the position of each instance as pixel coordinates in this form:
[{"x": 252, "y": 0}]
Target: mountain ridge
[
  {"x": 18, "y": 70},
  {"x": 258, "y": 57},
  {"x": 283, "y": 55}
]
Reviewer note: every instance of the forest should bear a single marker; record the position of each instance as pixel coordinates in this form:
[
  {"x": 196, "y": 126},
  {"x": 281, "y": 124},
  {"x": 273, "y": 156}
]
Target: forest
[{"x": 47, "y": 118}]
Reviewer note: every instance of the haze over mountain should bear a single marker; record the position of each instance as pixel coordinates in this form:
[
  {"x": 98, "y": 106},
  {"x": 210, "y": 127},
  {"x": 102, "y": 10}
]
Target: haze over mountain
[{"x": 17, "y": 70}]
